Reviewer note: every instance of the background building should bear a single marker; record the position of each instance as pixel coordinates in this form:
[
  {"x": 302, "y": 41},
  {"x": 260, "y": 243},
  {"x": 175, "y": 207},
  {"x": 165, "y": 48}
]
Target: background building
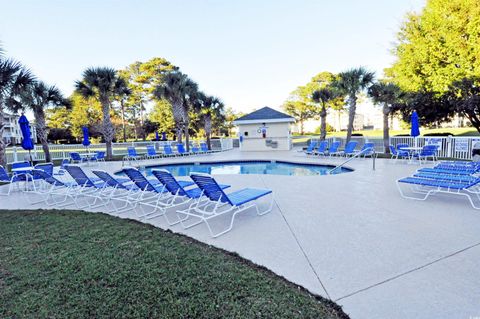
[
  {"x": 265, "y": 130},
  {"x": 11, "y": 131}
]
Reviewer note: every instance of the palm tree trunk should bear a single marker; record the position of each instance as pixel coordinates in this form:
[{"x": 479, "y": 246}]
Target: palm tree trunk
[
  {"x": 107, "y": 126},
  {"x": 386, "y": 135},
  {"x": 124, "y": 127},
  {"x": 42, "y": 133},
  {"x": 187, "y": 136},
  {"x": 351, "y": 116},
  {"x": 208, "y": 129},
  {"x": 186, "y": 122},
  {"x": 3, "y": 155},
  {"x": 323, "y": 124},
  {"x": 177, "y": 111}
]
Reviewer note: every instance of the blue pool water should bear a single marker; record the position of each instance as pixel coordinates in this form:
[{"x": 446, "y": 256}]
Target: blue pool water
[{"x": 257, "y": 167}]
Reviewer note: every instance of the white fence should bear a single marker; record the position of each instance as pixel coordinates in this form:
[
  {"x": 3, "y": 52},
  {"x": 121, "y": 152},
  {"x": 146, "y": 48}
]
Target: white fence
[
  {"x": 60, "y": 151},
  {"x": 448, "y": 147}
]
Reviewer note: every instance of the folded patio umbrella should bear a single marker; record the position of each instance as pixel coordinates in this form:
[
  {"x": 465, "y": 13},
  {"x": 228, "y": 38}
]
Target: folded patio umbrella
[
  {"x": 27, "y": 143},
  {"x": 156, "y": 136},
  {"x": 86, "y": 141},
  {"x": 415, "y": 128}
]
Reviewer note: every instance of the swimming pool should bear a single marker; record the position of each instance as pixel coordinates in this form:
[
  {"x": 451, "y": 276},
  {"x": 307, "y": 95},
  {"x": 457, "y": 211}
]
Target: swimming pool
[{"x": 249, "y": 167}]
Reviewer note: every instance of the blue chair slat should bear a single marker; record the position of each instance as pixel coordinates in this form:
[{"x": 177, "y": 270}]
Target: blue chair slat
[
  {"x": 446, "y": 177},
  {"x": 81, "y": 178},
  {"x": 211, "y": 188},
  {"x": 141, "y": 181},
  {"x": 446, "y": 171},
  {"x": 438, "y": 183},
  {"x": 247, "y": 195}
]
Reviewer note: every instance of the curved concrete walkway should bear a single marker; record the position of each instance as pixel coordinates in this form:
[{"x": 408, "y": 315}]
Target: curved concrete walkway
[{"x": 352, "y": 238}]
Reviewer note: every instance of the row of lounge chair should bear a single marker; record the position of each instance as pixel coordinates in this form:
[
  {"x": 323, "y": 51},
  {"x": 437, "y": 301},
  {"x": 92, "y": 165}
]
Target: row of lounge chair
[
  {"x": 199, "y": 200},
  {"x": 322, "y": 148},
  {"x": 133, "y": 155},
  {"x": 451, "y": 177}
]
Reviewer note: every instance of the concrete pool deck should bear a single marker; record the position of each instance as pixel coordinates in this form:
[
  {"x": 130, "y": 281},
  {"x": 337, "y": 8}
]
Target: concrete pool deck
[{"x": 351, "y": 237}]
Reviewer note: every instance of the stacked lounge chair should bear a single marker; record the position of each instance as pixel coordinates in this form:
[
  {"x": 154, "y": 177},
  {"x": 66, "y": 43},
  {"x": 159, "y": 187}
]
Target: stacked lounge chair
[{"x": 455, "y": 178}]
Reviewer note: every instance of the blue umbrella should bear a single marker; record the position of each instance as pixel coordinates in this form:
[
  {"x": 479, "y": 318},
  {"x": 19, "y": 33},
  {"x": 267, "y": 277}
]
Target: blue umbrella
[
  {"x": 156, "y": 136},
  {"x": 415, "y": 129},
  {"x": 85, "y": 141},
  {"x": 164, "y": 136},
  {"x": 27, "y": 143}
]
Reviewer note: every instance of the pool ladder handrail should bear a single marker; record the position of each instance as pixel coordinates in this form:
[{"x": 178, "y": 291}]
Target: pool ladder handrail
[{"x": 374, "y": 155}]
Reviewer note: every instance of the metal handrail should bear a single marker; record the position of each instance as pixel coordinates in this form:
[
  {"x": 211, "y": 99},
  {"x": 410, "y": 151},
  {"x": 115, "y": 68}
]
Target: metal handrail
[{"x": 374, "y": 155}]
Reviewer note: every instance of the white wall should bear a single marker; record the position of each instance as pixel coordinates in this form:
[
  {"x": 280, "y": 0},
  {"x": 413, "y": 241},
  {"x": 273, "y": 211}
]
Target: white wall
[{"x": 254, "y": 141}]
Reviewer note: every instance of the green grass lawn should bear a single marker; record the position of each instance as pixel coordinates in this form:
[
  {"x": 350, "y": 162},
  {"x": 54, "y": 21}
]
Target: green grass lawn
[{"x": 72, "y": 264}]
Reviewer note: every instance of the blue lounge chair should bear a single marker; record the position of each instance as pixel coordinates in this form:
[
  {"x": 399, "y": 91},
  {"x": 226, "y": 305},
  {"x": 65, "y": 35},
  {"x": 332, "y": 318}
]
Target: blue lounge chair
[
  {"x": 368, "y": 149},
  {"x": 151, "y": 152},
  {"x": 333, "y": 149},
  {"x": 423, "y": 187},
  {"x": 98, "y": 157},
  {"x": 181, "y": 150},
  {"x": 124, "y": 191},
  {"x": 75, "y": 158},
  {"x": 49, "y": 187},
  {"x": 222, "y": 203},
  {"x": 349, "y": 149},
  {"x": 204, "y": 148},
  {"x": 86, "y": 187},
  {"x": 151, "y": 195},
  {"x": 167, "y": 151},
  {"x": 321, "y": 148},
  {"x": 195, "y": 150},
  {"x": 398, "y": 153},
  {"x": 428, "y": 151},
  {"x": 180, "y": 195},
  {"x": 310, "y": 148},
  {"x": 132, "y": 155},
  {"x": 10, "y": 179}
]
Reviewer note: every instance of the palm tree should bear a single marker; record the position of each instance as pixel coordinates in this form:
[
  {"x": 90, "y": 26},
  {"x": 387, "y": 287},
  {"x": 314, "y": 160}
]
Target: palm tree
[
  {"x": 14, "y": 78},
  {"x": 178, "y": 90},
  {"x": 123, "y": 93},
  {"x": 350, "y": 83},
  {"x": 323, "y": 96},
  {"x": 103, "y": 84},
  {"x": 386, "y": 94},
  {"x": 38, "y": 97},
  {"x": 211, "y": 108}
]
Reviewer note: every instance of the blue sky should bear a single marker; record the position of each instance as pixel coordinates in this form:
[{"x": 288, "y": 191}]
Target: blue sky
[{"x": 249, "y": 53}]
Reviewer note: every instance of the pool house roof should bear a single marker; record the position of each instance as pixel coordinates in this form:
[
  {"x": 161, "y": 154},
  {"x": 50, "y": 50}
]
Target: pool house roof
[{"x": 264, "y": 115}]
